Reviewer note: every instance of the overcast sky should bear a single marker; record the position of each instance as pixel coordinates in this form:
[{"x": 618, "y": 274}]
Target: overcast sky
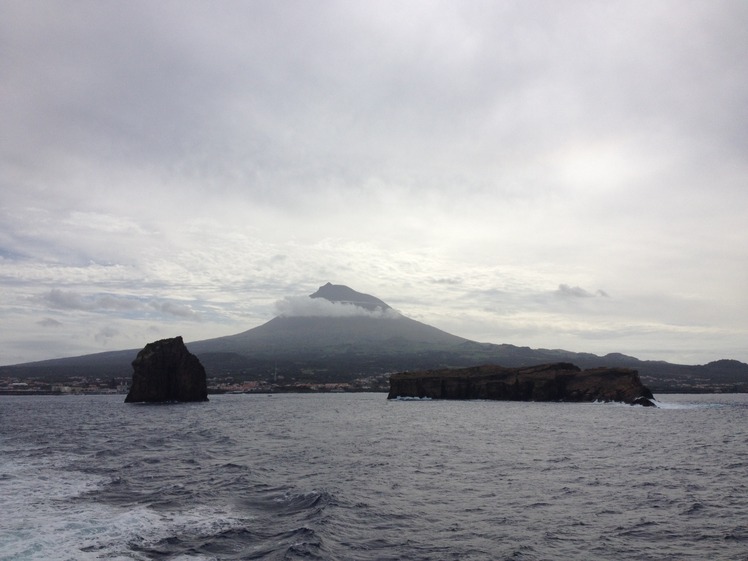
[{"x": 550, "y": 174}]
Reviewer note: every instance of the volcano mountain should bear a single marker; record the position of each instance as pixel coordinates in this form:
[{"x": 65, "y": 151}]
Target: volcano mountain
[{"x": 338, "y": 333}]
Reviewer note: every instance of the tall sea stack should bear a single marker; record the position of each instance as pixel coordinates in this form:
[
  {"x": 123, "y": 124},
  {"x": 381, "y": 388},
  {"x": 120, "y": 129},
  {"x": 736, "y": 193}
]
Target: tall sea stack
[{"x": 165, "y": 371}]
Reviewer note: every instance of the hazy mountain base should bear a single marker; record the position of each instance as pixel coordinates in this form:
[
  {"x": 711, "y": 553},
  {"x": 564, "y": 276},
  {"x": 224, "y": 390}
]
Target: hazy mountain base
[
  {"x": 346, "y": 362},
  {"x": 356, "y": 336}
]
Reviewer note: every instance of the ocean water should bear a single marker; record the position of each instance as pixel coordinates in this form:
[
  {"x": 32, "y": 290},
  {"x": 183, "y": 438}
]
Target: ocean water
[{"x": 357, "y": 477}]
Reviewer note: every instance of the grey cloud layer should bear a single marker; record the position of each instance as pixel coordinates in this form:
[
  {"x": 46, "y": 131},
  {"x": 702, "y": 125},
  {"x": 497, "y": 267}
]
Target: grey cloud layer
[
  {"x": 173, "y": 160},
  {"x": 65, "y": 300},
  {"x": 303, "y": 306},
  {"x": 263, "y": 99}
]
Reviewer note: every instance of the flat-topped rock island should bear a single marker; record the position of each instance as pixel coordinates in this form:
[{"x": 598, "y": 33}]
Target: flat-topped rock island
[{"x": 546, "y": 382}]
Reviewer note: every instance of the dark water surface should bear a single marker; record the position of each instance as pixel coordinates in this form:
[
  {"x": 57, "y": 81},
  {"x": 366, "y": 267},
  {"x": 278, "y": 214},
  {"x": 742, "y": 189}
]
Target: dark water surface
[{"x": 357, "y": 477}]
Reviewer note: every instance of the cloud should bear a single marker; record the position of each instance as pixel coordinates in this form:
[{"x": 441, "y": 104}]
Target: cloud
[
  {"x": 69, "y": 300},
  {"x": 453, "y": 281},
  {"x": 304, "y": 306},
  {"x": 174, "y": 309},
  {"x": 162, "y": 163},
  {"x": 566, "y": 291},
  {"x": 61, "y": 299},
  {"x": 49, "y": 322},
  {"x": 106, "y": 333}
]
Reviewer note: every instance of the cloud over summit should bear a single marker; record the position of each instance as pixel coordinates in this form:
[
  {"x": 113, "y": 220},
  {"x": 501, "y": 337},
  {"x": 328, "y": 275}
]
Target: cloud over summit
[{"x": 304, "y": 306}]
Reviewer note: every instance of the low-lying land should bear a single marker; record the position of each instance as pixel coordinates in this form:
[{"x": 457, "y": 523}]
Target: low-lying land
[{"x": 547, "y": 382}]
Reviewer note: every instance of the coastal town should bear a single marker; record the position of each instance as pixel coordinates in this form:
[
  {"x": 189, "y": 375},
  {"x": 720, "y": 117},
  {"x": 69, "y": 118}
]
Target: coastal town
[{"x": 84, "y": 385}]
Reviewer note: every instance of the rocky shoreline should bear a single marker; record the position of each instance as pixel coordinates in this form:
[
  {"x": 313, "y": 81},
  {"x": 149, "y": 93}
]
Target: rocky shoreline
[{"x": 546, "y": 382}]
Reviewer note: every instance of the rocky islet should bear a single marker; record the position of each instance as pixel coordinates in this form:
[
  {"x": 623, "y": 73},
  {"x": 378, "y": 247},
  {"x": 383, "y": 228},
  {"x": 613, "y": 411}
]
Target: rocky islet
[
  {"x": 546, "y": 382},
  {"x": 165, "y": 371}
]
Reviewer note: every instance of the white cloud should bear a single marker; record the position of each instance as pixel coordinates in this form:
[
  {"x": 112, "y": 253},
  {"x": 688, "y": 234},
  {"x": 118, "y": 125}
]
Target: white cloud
[{"x": 304, "y": 306}]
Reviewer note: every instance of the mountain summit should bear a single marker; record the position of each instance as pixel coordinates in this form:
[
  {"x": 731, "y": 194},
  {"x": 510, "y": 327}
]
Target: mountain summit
[
  {"x": 350, "y": 323},
  {"x": 342, "y": 294}
]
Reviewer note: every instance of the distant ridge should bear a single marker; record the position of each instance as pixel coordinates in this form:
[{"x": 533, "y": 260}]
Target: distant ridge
[{"x": 322, "y": 345}]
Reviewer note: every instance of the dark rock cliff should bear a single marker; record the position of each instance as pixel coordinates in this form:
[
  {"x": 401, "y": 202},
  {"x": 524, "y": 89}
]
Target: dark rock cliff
[
  {"x": 547, "y": 382},
  {"x": 166, "y": 371}
]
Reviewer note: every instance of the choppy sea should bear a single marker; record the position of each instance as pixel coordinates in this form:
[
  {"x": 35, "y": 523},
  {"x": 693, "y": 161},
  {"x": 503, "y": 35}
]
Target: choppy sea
[{"x": 357, "y": 477}]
